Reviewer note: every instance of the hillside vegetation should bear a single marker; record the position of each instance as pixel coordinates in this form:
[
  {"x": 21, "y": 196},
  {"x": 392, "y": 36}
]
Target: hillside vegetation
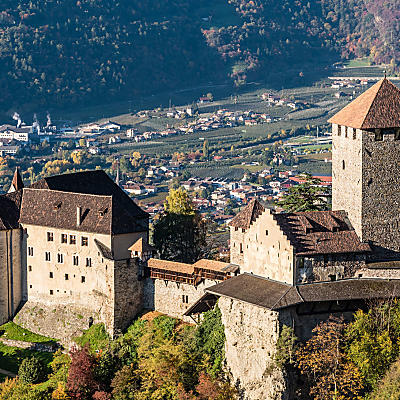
[{"x": 70, "y": 52}]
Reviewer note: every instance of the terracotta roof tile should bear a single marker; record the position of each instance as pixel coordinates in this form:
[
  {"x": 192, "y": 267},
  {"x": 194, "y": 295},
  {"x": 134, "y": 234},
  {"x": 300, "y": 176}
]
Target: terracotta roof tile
[
  {"x": 377, "y": 107},
  {"x": 105, "y": 207},
  {"x": 170, "y": 266},
  {"x": 248, "y": 215},
  {"x": 320, "y": 232}
]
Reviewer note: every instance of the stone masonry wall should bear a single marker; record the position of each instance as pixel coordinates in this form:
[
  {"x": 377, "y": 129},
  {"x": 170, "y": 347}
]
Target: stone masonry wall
[
  {"x": 128, "y": 293},
  {"x": 347, "y": 173},
  {"x": 251, "y": 334},
  {"x": 380, "y": 193},
  {"x": 169, "y": 297},
  {"x": 11, "y": 272},
  {"x": 320, "y": 268}
]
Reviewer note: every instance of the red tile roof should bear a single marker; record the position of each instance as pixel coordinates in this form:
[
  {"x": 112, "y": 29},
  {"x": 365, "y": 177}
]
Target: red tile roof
[
  {"x": 248, "y": 215},
  {"x": 377, "y": 107},
  {"x": 320, "y": 232}
]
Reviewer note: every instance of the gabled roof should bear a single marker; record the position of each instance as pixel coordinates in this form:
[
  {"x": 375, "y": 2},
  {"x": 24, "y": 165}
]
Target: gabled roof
[
  {"x": 105, "y": 206},
  {"x": 141, "y": 245},
  {"x": 17, "y": 182},
  {"x": 377, "y": 107},
  {"x": 320, "y": 232},
  {"x": 248, "y": 215}
]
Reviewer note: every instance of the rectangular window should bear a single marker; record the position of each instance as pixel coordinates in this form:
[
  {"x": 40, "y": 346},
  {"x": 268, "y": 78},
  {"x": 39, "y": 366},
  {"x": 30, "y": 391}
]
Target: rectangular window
[
  {"x": 51, "y": 292},
  {"x": 50, "y": 236},
  {"x": 241, "y": 248},
  {"x": 60, "y": 258},
  {"x": 66, "y": 277},
  {"x": 339, "y": 132},
  {"x": 50, "y": 274},
  {"x": 82, "y": 279},
  {"x": 30, "y": 268},
  {"x": 88, "y": 262},
  {"x": 84, "y": 241},
  {"x": 47, "y": 256},
  {"x": 64, "y": 238},
  {"x": 354, "y": 134},
  {"x": 72, "y": 239},
  {"x": 30, "y": 251},
  {"x": 266, "y": 233},
  {"x": 185, "y": 299},
  {"x": 75, "y": 260}
]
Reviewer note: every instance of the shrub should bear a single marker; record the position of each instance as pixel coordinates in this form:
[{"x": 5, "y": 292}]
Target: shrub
[{"x": 31, "y": 370}]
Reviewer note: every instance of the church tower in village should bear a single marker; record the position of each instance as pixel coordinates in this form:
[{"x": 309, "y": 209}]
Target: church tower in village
[{"x": 366, "y": 167}]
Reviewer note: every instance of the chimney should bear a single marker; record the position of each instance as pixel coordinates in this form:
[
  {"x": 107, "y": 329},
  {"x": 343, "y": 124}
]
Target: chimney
[{"x": 78, "y": 215}]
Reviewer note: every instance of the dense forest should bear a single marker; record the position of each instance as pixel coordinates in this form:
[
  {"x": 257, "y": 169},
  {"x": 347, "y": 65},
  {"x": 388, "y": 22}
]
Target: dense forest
[{"x": 69, "y": 52}]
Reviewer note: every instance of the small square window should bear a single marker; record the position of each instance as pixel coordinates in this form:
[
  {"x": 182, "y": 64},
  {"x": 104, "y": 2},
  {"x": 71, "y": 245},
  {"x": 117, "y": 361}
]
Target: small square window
[
  {"x": 51, "y": 275},
  {"x": 47, "y": 256},
  {"x": 82, "y": 279},
  {"x": 51, "y": 292},
  {"x": 30, "y": 268},
  {"x": 88, "y": 262},
  {"x": 84, "y": 241},
  {"x": 30, "y": 286},
  {"x": 30, "y": 251},
  {"x": 72, "y": 239},
  {"x": 64, "y": 238},
  {"x": 60, "y": 258},
  {"x": 75, "y": 260},
  {"x": 50, "y": 236},
  {"x": 66, "y": 277}
]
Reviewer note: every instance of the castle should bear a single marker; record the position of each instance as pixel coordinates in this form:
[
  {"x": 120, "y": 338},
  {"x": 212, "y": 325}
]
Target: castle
[{"x": 75, "y": 251}]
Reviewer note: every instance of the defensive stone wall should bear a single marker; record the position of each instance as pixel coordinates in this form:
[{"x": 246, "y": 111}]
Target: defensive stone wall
[
  {"x": 326, "y": 268},
  {"x": 251, "y": 335},
  {"x": 173, "y": 298},
  {"x": 128, "y": 293},
  {"x": 63, "y": 321},
  {"x": 11, "y": 272}
]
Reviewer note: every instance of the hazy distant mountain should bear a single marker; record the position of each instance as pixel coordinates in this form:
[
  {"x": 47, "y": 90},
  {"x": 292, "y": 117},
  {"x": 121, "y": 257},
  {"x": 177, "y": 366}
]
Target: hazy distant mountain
[{"x": 78, "y": 51}]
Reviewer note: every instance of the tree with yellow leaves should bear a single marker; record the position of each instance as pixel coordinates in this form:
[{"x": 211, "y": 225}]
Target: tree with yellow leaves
[{"x": 324, "y": 363}]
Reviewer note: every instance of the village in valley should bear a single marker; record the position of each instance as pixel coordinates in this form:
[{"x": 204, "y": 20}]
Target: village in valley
[{"x": 223, "y": 151}]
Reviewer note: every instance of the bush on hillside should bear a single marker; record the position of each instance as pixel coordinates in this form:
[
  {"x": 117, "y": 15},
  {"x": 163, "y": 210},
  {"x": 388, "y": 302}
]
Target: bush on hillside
[{"x": 31, "y": 370}]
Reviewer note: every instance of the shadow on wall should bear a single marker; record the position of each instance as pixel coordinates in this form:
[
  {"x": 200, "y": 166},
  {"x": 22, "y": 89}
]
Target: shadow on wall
[{"x": 148, "y": 294}]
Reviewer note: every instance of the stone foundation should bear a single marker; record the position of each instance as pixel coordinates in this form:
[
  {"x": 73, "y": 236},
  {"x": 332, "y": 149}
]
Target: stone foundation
[{"x": 62, "y": 322}]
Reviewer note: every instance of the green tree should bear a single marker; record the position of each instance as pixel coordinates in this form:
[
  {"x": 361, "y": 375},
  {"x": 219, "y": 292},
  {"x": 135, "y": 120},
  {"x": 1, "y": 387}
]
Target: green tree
[
  {"x": 307, "y": 196},
  {"x": 31, "y": 370},
  {"x": 180, "y": 232},
  {"x": 206, "y": 149},
  {"x": 374, "y": 340}
]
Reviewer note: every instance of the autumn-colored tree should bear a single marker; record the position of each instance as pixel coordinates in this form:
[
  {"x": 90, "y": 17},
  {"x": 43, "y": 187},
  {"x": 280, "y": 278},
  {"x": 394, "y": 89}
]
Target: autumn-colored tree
[
  {"x": 81, "y": 383},
  {"x": 60, "y": 393},
  {"x": 180, "y": 232},
  {"x": 125, "y": 384},
  {"x": 323, "y": 361}
]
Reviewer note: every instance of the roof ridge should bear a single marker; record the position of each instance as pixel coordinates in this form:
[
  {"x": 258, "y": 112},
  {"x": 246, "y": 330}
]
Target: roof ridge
[
  {"x": 74, "y": 193},
  {"x": 373, "y": 101},
  {"x": 280, "y": 298}
]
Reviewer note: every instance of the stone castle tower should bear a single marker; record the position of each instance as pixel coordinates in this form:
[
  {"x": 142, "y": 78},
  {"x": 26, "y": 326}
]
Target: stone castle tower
[{"x": 366, "y": 167}]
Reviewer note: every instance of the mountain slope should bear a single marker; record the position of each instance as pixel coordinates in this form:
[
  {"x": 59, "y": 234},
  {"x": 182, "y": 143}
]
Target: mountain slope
[{"x": 66, "y": 52}]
